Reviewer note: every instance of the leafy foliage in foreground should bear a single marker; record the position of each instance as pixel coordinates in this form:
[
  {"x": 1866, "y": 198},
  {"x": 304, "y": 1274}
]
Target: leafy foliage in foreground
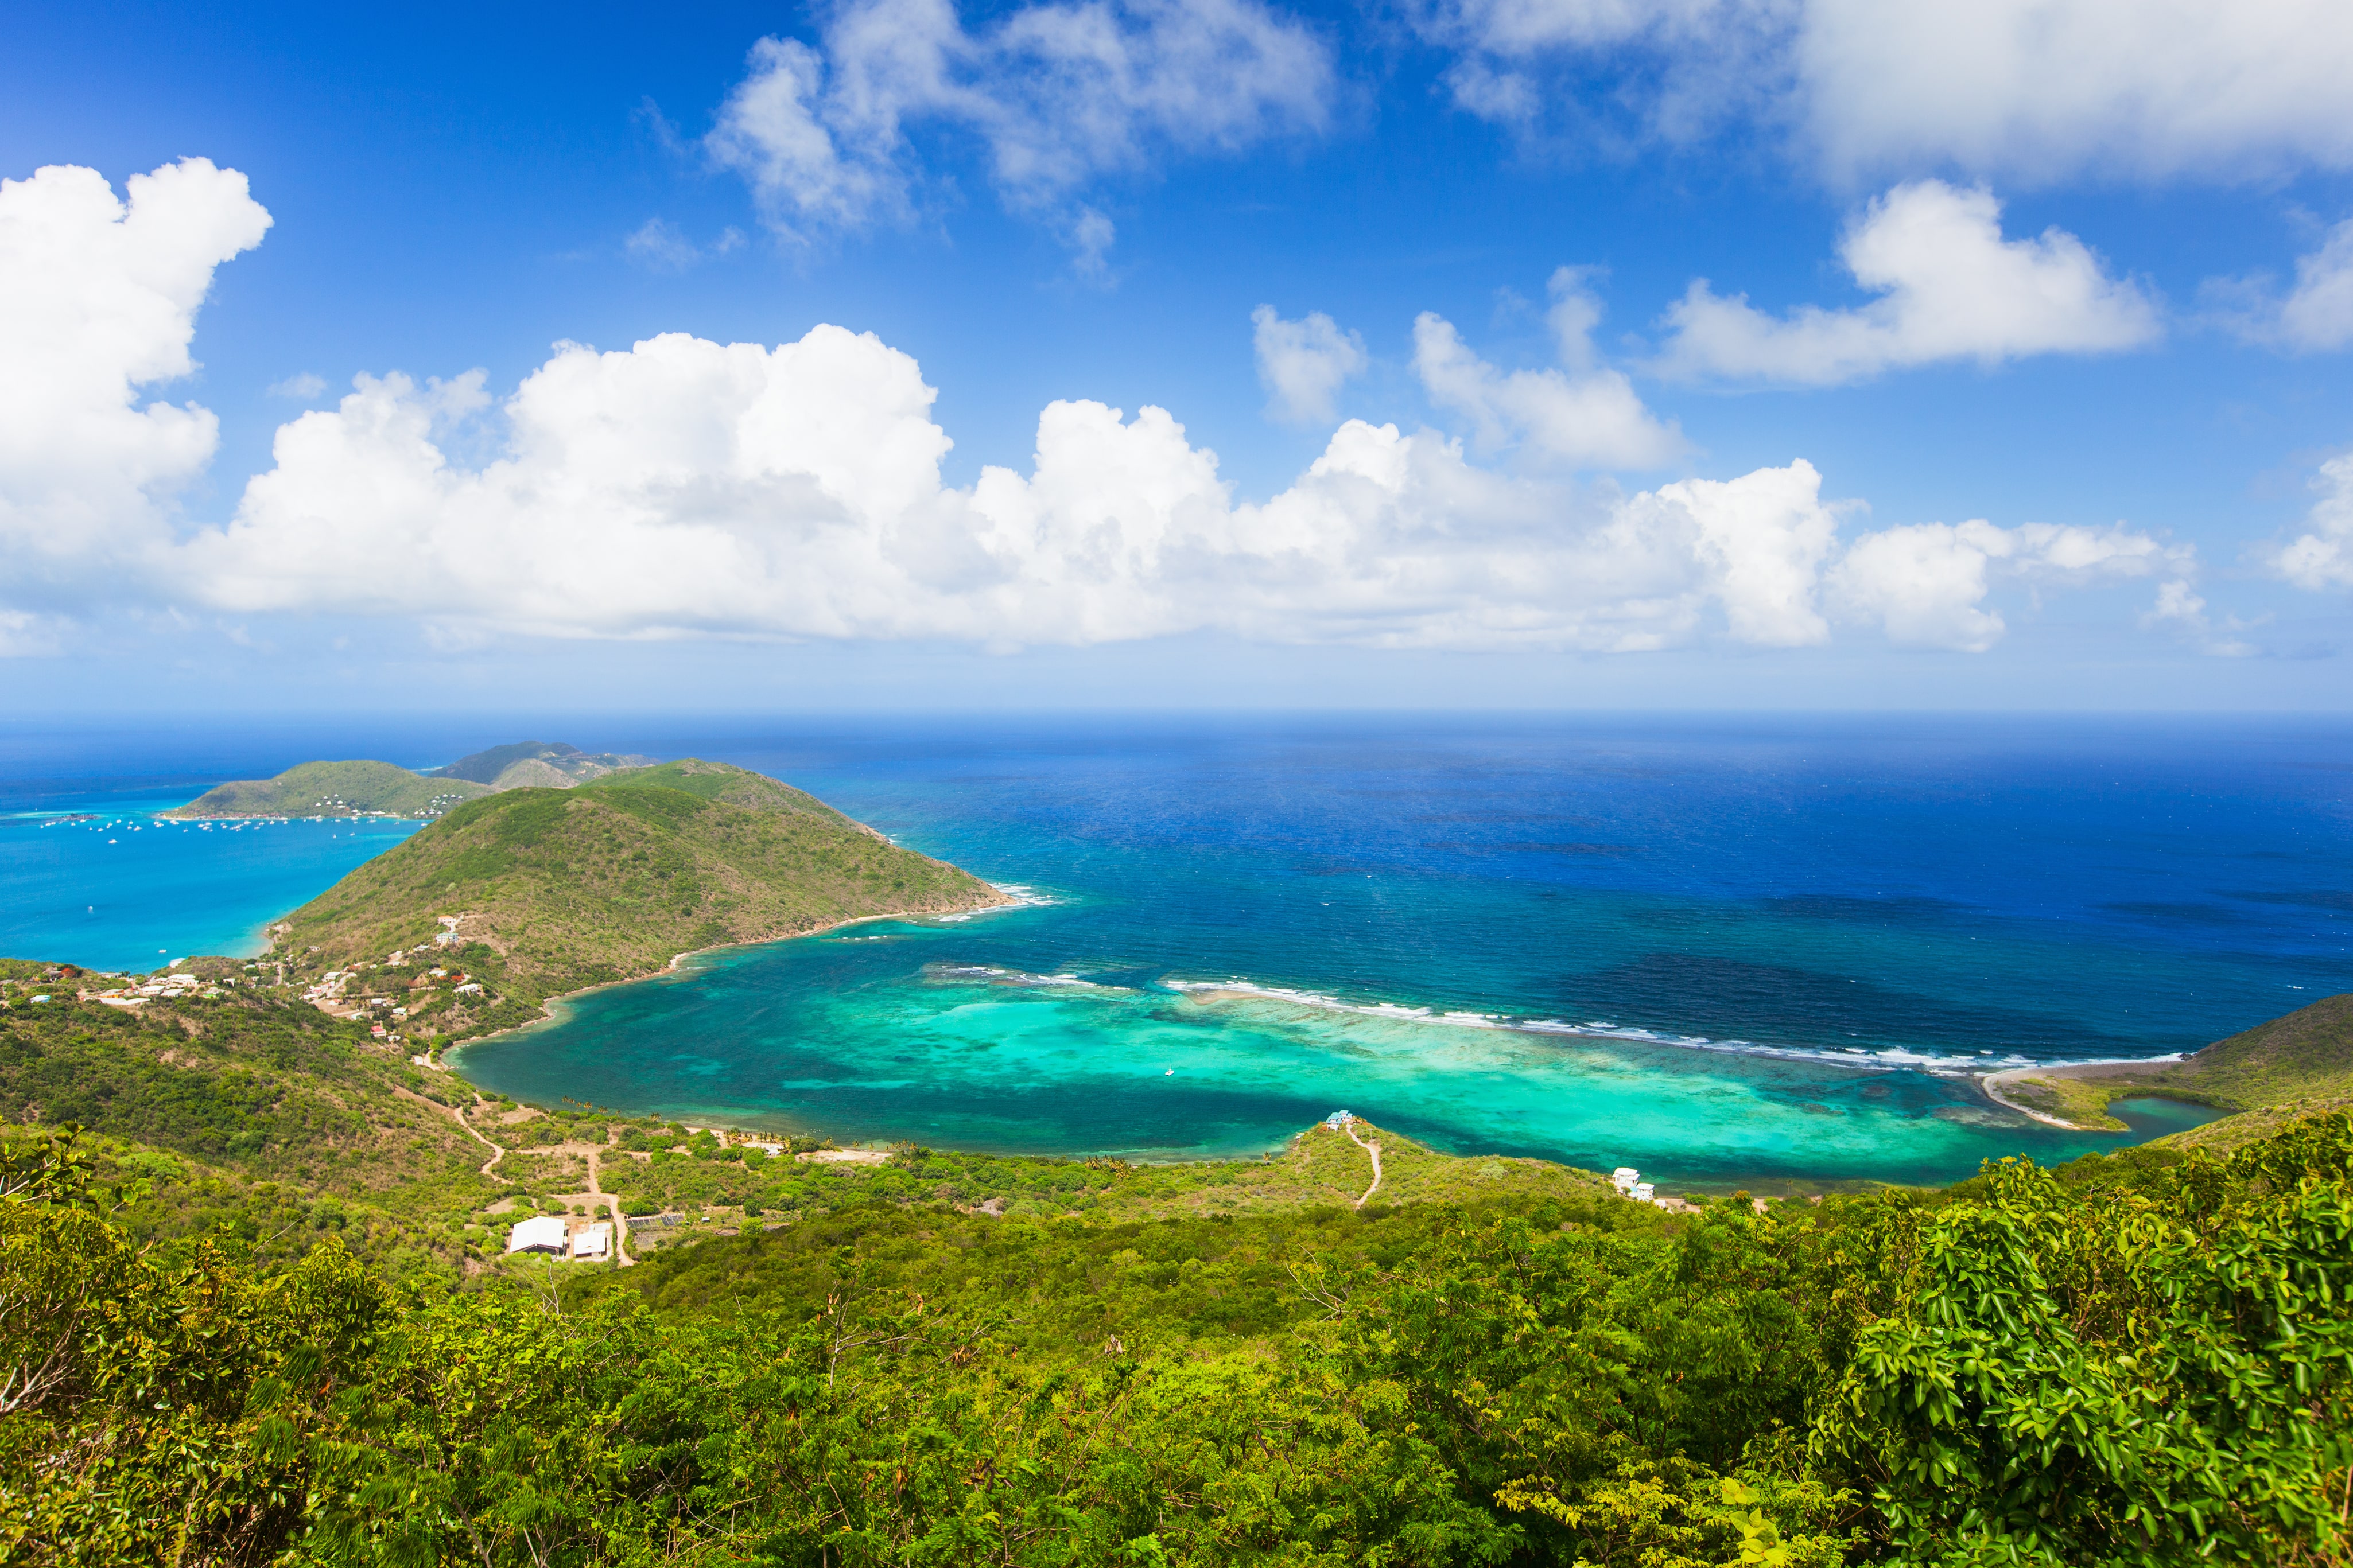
[{"x": 2137, "y": 1361}]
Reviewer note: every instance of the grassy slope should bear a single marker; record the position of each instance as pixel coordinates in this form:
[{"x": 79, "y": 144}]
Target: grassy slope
[
  {"x": 2296, "y": 1066},
  {"x": 250, "y": 1111},
  {"x": 269, "y": 1124},
  {"x": 354, "y": 787},
  {"x": 564, "y": 889},
  {"x": 1318, "y": 1169}
]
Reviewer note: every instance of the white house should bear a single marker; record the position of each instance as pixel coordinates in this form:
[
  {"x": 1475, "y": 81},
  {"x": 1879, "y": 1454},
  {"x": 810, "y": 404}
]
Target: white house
[
  {"x": 1642, "y": 1192},
  {"x": 1624, "y": 1177},
  {"x": 594, "y": 1241},
  {"x": 541, "y": 1233}
]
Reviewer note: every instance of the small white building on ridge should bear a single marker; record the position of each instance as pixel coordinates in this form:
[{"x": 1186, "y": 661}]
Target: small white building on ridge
[
  {"x": 593, "y": 1241},
  {"x": 541, "y": 1233}
]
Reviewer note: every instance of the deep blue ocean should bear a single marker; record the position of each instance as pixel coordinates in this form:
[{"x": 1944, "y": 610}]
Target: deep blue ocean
[{"x": 1719, "y": 950}]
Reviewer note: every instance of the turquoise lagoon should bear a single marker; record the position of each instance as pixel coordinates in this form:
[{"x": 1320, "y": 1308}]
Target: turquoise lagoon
[{"x": 1724, "y": 954}]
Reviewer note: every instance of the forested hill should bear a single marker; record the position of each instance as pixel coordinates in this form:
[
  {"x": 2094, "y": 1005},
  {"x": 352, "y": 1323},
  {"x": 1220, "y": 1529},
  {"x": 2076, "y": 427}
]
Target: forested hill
[
  {"x": 261, "y": 1316},
  {"x": 548, "y": 891},
  {"x": 333, "y": 789}
]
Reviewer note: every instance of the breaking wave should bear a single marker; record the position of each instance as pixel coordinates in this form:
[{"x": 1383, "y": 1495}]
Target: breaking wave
[{"x": 1890, "y": 1059}]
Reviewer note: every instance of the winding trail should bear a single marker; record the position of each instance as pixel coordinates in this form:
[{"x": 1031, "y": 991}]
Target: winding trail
[
  {"x": 498, "y": 1152},
  {"x": 1374, "y": 1149},
  {"x": 621, "y": 1221}
]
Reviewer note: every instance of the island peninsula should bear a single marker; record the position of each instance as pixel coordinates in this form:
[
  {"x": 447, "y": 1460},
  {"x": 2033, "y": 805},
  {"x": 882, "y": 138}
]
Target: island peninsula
[
  {"x": 517, "y": 897},
  {"x": 2296, "y": 1065}
]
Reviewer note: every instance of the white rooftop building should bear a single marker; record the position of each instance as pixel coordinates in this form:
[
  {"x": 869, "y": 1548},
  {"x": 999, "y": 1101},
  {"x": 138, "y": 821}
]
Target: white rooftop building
[
  {"x": 1624, "y": 1177},
  {"x": 1642, "y": 1193},
  {"x": 541, "y": 1233},
  {"x": 594, "y": 1241}
]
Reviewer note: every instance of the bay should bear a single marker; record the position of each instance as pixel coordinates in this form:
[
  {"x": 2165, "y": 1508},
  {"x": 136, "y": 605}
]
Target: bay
[{"x": 1721, "y": 950}]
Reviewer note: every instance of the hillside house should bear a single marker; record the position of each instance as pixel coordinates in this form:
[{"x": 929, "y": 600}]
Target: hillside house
[{"x": 541, "y": 1233}]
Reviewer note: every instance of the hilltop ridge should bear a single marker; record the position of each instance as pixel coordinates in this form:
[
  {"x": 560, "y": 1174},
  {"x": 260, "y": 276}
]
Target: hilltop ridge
[{"x": 537, "y": 764}]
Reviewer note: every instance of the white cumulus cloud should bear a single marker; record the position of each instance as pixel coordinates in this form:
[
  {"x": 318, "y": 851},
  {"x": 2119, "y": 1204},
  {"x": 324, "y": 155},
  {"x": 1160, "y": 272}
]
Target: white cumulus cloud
[
  {"x": 1302, "y": 363},
  {"x": 1951, "y": 287},
  {"x": 2321, "y": 555},
  {"x": 97, "y": 302},
  {"x": 2042, "y": 89},
  {"x": 2179, "y": 608},
  {"x": 688, "y": 487},
  {"x": 1057, "y": 95},
  {"x": 1926, "y": 584},
  {"x": 2024, "y": 90},
  {"x": 684, "y": 487},
  {"x": 1584, "y": 414}
]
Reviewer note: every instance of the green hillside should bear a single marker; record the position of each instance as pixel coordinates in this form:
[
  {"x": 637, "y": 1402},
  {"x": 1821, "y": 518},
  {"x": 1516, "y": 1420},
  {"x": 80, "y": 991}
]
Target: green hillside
[
  {"x": 236, "y": 1112},
  {"x": 550, "y": 891},
  {"x": 334, "y": 789},
  {"x": 2301, "y": 1064},
  {"x": 261, "y": 1313}
]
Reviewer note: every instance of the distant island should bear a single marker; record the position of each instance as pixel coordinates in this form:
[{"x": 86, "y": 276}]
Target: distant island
[
  {"x": 527, "y": 893},
  {"x": 537, "y": 764},
  {"x": 384, "y": 789}
]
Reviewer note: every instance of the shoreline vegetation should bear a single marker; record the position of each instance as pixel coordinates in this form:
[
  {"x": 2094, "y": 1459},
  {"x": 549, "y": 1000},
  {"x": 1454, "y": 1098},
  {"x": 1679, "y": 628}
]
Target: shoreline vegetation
[
  {"x": 2294, "y": 1065},
  {"x": 517, "y": 898}
]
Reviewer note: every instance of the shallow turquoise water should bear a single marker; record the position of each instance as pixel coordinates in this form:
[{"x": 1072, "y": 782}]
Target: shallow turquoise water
[
  {"x": 878, "y": 1033},
  {"x": 97, "y": 878},
  {"x": 1724, "y": 950},
  {"x": 1714, "y": 955}
]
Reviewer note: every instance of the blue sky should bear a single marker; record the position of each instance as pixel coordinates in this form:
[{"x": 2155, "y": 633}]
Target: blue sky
[{"x": 2050, "y": 297}]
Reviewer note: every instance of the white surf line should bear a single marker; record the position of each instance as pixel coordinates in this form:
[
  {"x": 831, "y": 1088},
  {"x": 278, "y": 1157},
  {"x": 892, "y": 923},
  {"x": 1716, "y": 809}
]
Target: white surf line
[{"x": 1374, "y": 1149}]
